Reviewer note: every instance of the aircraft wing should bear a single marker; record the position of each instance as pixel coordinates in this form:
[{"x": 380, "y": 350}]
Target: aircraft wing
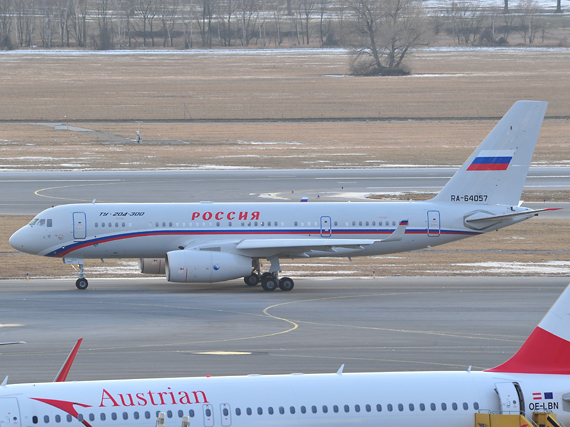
[
  {"x": 509, "y": 215},
  {"x": 324, "y": 243}
]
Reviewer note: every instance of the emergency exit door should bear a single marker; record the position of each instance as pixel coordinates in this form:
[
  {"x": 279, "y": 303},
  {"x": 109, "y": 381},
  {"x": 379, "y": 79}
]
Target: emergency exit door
[{"x": 433, "y": 229}]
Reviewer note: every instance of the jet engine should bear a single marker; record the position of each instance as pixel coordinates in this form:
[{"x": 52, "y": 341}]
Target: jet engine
[
  {"x": 152, "y": 265},
  {"x": 205, "y": 266}
]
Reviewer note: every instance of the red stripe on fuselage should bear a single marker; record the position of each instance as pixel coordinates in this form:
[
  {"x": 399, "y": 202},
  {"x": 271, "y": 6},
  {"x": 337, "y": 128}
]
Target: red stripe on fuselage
[{"x": 542, "y": 353}]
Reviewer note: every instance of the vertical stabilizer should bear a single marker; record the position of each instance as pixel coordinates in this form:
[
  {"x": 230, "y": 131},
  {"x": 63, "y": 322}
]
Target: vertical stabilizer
[
  {"x": 546, "y": 350},
  {"x": 496, "y": 172}
]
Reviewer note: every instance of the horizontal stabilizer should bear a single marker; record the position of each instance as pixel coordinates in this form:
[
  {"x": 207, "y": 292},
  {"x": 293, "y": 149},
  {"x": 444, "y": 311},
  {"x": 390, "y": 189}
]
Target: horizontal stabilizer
[{"x": 509, "y": 215}]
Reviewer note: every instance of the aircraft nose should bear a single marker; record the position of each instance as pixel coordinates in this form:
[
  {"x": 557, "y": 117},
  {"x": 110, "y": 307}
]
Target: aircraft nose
[{"x": 17, "y": 241}]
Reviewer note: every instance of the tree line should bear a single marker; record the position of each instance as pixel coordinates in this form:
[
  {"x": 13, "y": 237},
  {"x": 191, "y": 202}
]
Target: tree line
[{"x": 381, "y": 32}]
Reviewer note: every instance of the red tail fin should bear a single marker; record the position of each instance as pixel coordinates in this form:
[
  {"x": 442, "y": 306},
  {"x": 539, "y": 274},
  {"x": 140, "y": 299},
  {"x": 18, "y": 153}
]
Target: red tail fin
[{"x": 547, "y": 349}]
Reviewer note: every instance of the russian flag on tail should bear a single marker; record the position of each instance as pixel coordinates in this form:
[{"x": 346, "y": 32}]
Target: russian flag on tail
[{"x": 492, "y": 160}]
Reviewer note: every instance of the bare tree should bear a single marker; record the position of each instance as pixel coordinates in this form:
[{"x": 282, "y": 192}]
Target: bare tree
[
  {"x": 78, "y": 14},
  {"x": 390, "y": 29},
  {"x": 6, "y": 14},
  {"x": 307, "y": 8},
  {"x": 248, "y": 13},
  {"x": 467, "y": 21},
  {"x": 168, "y": 12},
  {"x": 529, "y": 19},
  {"x": 145, "y": 11},
  {"x": 127, "y": 10},
  {"x": 204, "y": 21},
  {"x": 105, "y": 39}
]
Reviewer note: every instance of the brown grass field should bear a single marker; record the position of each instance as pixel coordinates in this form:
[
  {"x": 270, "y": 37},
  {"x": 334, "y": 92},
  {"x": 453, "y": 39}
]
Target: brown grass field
[{"x": 223, "y": 95}]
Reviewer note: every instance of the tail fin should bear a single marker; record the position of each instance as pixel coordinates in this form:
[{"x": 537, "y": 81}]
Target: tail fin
[
  {"x": 496, "y": 172},
  {"x": 546, "y": 350}
]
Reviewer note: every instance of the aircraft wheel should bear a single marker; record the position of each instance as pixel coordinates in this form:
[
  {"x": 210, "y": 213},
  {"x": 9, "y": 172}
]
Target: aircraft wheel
[
  {"x": 269, "y": 283},
  {"x": 286, "y": 284},
  {"x": 265, "y": 275},
  {"x": 82, "y": 284},
  {"x": 252, "y": 280}
]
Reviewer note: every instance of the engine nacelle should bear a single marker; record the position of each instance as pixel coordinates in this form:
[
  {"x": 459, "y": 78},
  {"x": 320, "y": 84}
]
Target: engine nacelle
[
  {"x": 205, "y": 266},
  {"x": 152, "y": 265}
]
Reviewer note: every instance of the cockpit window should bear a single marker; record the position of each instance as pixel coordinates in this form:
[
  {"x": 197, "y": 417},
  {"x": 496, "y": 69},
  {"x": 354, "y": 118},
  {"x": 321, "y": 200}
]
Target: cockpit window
[
  {"x": 33, "y": 221},
  {"x": 42, "y": 222},
  {"x": 49, "y": 222}
]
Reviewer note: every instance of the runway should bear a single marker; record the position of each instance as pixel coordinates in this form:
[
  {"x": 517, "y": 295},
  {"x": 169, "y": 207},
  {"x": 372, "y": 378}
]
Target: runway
[
  {"x": 151, "y": 328},
  {"x": 28, "y": 193}
]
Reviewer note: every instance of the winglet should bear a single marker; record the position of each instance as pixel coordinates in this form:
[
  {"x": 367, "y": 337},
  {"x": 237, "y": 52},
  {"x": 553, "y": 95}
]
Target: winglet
[
  {"x": 339, "y": 372},
  {"x": 398, "y": 233},
  {"x": 5, "y": 382},
  {"x": 62, "y": 374},
  {"x": 546, "y": 350}
]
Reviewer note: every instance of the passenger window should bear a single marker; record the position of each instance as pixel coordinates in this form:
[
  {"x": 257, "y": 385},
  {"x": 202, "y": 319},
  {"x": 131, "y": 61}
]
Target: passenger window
[
  {"x": 170, "y": 224},
  {"x": 248, "y": 411},
  {"x": 126, "y": 416},
  {"x": 102, "y": 416},
  {"x": 432, "y": 406},
  {"x": 238, "y": 412},
  {"x": 379, "y": 408},
  {"x": 49, "y": 222},
  {"x": 443, "y": 407},
  {"x": 123, "y": 225},
  {"x": 335, "y": 409},
  {"x": 259, "y": 411},
  {"x": 164, "y": 224},
  {"x": 58, "y": 419},
  {"x": 226, "y": 412},
  {"x": 180, "y": 414},
  {"x": 35, "y": 419},
  {"x": 373, "y": 222},
  {"x": 136, "y": 414},
  {"x": 346, "y": 408},
  {"x": 96, "y": 224},
  {"x": 46, "y": 418},
  {"x": 314, "y": 409},
  {"x": 229, "y": 224},
  {"x": 110, "y": 225},
  {"x": 360, "y": 223},
  {"x": 475, "y": 406},
  {"x": 116, "y": 225},
  {"x": 390, "y": 407},
  {"x": 357, "y": 408},
  {"x": 366, "y": 222},
  {"x": 465, "y": 406},
  {"x": 208, "y": 412},
  {"x": 102, "y": 224},
  {"x": 353, "y": 223},
  {"x": 147, "y": 415},
  {"x": 69, "y": 418},
  {"x": 281, "y": 410},
  {"x": 80, "y": 417},
  {"x": 303, "y": 410},
  {"x": 168, "y": 414},
  {"x": 191, "y": 413},
  {"x": 114, "y": 416},
  {"x": 422, "y": 407},
  {"x": 454, "y": 406},
  {"x": 91, "y": 417},
  {"x": 325, "y": 409},
  {"x": 400, "y": 407},
  {"x": 292, "y": 409},
  {"x": 411, "y": 407},
  {"x": 270, "y": 410},
  {"x": 335, "y": 223},
  {"x": 218, "y": 224},
  {"x": 393, "y": 222}
]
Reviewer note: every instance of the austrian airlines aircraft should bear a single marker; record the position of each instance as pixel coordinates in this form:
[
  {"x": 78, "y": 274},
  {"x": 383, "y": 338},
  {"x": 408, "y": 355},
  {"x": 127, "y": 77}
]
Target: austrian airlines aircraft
[
  {"x": 211, "y": 242},
  {"x": 535, "y": 379}
]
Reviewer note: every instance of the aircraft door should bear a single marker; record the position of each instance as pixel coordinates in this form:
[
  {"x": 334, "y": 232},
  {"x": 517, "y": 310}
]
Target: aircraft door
[
  {"x": 226, "y": 412},
  {"x": 208, "y": 411},
  {"x": 9, "y": 412},
  {"x": 433, "y": 224},
  {"x": 79, "y": 227},
  {"x": 509, "y": 398},
  {"x": 326, "y": 230}
]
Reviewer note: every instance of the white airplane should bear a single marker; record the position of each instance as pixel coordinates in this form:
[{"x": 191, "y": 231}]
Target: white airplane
[
  {"x": 533, "y": 383},
  {"x": 211, "y": 242}
]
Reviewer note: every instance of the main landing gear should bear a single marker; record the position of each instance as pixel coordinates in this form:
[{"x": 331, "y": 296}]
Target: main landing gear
[{"x": 269, "y": 280}]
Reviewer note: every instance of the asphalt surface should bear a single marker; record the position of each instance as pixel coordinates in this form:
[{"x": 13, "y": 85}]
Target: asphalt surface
[
  {"x": 28, "y": 193},
  {"x": 135, "y": 328}
]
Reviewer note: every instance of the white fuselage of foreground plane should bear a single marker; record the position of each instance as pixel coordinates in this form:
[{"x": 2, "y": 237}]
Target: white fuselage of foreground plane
[
  {"x": 152, "y": 230},
  {"x": 431, "y": 399}
]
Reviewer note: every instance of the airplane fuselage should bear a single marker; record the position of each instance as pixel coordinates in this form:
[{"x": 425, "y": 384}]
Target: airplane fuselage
[{"x": 435, "y": 399}]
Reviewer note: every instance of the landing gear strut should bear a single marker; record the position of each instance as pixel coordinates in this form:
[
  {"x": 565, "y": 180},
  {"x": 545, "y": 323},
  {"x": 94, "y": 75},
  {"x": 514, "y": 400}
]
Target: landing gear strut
[
  {"x": 269, "y": 280},
  {"x": 82, "y": 282}
]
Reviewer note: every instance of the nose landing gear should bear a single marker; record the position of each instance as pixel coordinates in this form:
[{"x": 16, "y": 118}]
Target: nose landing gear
[{"x": 82, "y": 282}]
